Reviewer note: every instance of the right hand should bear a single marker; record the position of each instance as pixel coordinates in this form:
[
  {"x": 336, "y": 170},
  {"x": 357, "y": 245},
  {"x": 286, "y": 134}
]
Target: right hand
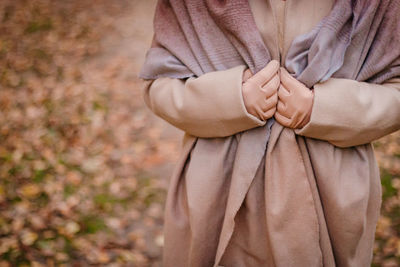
[{"x": 260, "y": 91}]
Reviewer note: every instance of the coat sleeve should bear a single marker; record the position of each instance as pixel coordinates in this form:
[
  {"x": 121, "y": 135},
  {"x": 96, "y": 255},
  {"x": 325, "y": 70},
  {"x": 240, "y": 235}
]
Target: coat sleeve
[
  {"x": 208, "y": 106},
  {"x": 348, "y": 113}
]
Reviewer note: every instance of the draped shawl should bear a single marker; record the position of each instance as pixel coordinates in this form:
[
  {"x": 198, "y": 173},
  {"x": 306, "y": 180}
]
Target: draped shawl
[{"x": 359, "y": 40}]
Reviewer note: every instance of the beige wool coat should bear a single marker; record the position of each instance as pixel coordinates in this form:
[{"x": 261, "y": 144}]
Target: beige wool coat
[{"x": 316, "y": 196}]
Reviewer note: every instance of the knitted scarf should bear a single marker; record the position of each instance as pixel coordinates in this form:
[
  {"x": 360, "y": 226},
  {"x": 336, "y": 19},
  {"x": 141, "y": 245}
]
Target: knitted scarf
[{"x": 359, "y": 40}]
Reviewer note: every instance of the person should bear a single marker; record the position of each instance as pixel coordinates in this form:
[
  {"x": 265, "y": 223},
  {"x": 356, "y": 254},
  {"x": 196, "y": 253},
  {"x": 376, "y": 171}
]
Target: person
[{"x": 279, "y": 102}]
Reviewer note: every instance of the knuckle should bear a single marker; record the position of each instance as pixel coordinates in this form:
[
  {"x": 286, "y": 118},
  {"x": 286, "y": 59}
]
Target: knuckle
[
  {"x": 275, "y": 82},
  {"x": 263, "y": 73},
  {"x": 279, "y": 119},
  {"x": 266, "y": 89},
  {"x": 274, "y": 64},
  {"x": 275, "y": 98},
  {"x": 281, "y": 91},
  {"x": 280, "y": 96},
  {"x": 268, "y": 114}
]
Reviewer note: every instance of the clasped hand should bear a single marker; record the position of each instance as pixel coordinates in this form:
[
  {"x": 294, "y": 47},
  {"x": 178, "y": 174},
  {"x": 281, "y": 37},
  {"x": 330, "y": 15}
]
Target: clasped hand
[{"x": 273, "y": 92}]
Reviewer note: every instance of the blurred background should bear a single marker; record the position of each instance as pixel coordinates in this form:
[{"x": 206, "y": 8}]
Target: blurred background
[{"x": 84, "y": 165}]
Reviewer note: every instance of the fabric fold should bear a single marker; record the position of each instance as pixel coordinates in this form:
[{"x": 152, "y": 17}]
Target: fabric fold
[
  {"x": 289, "y": 200},
  {"x": 250, "y": 151},
  {"x": 307, "y": 183}
]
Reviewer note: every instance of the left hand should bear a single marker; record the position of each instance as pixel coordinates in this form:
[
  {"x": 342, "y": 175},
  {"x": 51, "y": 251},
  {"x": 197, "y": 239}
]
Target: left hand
[
  {"x": 260, "y": 91},
  {"x": 295, "y": 102}
]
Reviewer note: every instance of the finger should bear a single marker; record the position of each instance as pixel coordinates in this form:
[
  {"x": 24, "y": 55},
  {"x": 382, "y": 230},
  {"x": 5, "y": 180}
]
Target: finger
[
  {"x": 260, "y": 113},
  {"x": 253, "y": 111},
  {"x": 272, "y": 86},
  {"x": 282, "y": 119},
  {"x": 269, "y": 113},
  {"x": 264, "y": 75},
  {"x": 271, "y": 102},
  {"x": 246, "y": 75},
  {"x": 283, "y": 109},
  {"x": 288, "y": 80},
  {"x": 283, "y": 93}
]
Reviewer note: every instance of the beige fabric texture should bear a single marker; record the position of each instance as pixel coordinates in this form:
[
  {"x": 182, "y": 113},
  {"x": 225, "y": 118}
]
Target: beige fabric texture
[
  {"x": 209, "y": 106},
  {"x": 328, "y": 218},
  {"x": 349, "y": 113}
]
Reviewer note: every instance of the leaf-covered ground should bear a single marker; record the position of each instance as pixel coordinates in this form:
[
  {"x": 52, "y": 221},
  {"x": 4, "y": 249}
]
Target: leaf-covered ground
[{"x": 83, "y": 164}]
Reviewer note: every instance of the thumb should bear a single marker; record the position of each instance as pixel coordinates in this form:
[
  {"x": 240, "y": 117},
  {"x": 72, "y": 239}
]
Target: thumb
[{"x": 246, "y": 75}]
